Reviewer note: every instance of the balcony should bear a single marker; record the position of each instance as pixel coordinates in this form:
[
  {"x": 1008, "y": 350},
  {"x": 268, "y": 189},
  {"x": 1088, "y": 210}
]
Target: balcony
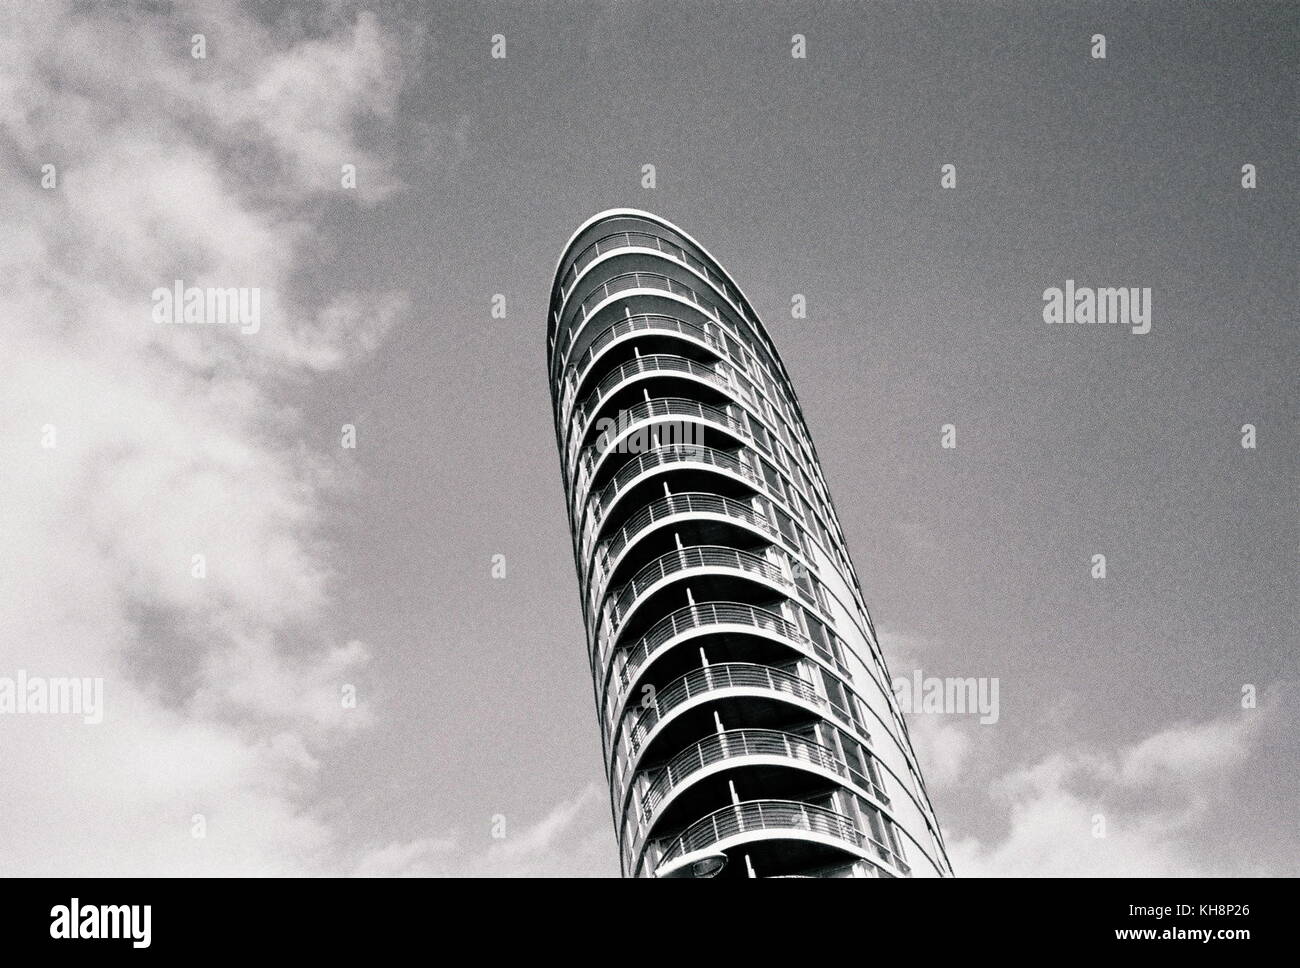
[
  {"x": 643, "y": 323},
  {"x": 608, "y": 553},
  {"x": 714, "y": 557},
  {"x": 732, "y": 745},
  {"x": 629, "y": 281},
  {"x": 715, "y": 678},
  {"x": 633, "y": 240},
  {"x": 781, "y": 682},
  {"x": 724, "y": 827},
  {"x": 583, "y": 470},
  {"x": 657, "y": 363},
  {"x": 708, "y": 615},
  {"x": 650, "y": 281},
  {"x": 613, "y": 243},
  {"x": 604, "y": 499}
]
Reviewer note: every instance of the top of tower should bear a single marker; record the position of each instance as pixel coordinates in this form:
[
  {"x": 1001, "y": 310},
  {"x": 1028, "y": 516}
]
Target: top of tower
[{"x": 611, "y": 213}]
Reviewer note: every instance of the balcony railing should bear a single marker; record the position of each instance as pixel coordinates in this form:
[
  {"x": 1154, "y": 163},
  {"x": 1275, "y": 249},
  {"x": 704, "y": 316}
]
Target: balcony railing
[
  {"x": 623, "y": 240},
  {"x": 684, "y": 619},
  {"x": 697, "y": 556},
  {"x": 693, "y": 617},
  {"x": 656, "y": 280},
  {"x": 645, "y": 240},
  {"x": 700, "y": 502},
  {"x": 708, "y": 334},
  {"x": 728, "y": 675},
  {"x": 654, "y": 363},
  {"x": 658, "y": 407},
  {"x": 757, "y": 815},
  {"x": 733, "y": 744},
  {"x": 642, "y": 280},
  {"x": 612, "y": 243},
  {"x": 603, "y": 500},
  {"x": 644, "y": 322}
]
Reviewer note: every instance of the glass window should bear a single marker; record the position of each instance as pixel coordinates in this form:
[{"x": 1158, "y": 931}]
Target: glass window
[
  {"x": 820, "y": 640},
  {"x": 823, "y": 599},
  {"x": 773, "y": 478},
  {"x": 787, "y": 526},
  {"x": 834, "y": 690}
]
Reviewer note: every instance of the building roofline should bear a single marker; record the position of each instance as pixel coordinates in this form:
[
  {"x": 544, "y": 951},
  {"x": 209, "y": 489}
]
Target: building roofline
[{"x": 610, "y": 213}]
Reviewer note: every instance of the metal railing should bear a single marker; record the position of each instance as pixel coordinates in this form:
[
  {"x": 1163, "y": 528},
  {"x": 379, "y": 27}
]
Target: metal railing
[
  {"x": 582, "y": 471},
  {"x": 612, "y": 243},
  {"x": 574, "y": 373},
  {"x": 652, "y": 280},
  {"x": 578, "y": 427},
  {"x": 701, "y": 502},
  {"x": 728, "y": 675},
  {"x": 755, "y": 815},
  {"x": 600, "y": 502},
  {"x": 657, "y": 280},
  {"x": 696, "y": 556},
  {"x": 603, "y": 500},
  {"x": 623, "y": 240},
  {"x": 733, "y": 744},
  {"x": 643, "y": 322},
  {"x": 693, "y": 617},
  {"x": 646, "y": 240}
]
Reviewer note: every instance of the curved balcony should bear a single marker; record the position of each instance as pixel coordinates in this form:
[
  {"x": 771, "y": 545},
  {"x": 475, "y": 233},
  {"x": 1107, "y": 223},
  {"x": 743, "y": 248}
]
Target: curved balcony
[
  {"x": 716, "y": 678},
  {"x": 719, "y": 557},
  {"x": 736, "y": 744},
  {"x": 608, "y": 244},
  {"x": 709, "y": 336},
  {"x": 754, "y": 819},
  {"x": 575, "y": 373},
  {"x": 649, "y": 281},
  {"x": 582, "y": 470},
  {"x": 729, "y": 746},
  {"x": 709, "y": 615},
  {"x": 626, "y": 281},
  {"x": 610, "y": 551},
  {"x": 765, "y": 745},
  {"x": 702, "y": 267},
  {"x": 599, "y": 503},
  {"x": 655, "y": 363},
  {"x": 712, "y": 617}
]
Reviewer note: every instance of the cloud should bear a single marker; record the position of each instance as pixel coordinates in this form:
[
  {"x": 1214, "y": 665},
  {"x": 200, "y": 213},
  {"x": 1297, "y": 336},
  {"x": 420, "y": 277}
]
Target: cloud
[
  {"x": 1159, "y": 802},
  {"x": 944, "y": 748},
  {"x": 943, "y": 743},
  {"x": 130, "y": 447},
  {"x": 571, "y": 840}
]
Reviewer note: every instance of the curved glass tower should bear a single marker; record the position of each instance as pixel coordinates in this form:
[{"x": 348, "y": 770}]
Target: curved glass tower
[{"x": 747, "y": 722}]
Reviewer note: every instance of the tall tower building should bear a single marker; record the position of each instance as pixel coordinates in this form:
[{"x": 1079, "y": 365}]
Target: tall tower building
[{"x": 746, "y": 716}]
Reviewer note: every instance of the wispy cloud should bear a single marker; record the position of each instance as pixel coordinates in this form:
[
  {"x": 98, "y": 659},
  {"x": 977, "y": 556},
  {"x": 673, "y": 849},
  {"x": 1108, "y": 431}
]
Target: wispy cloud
[
  {"x": 1147, "y": 809},
  {"x": 571, "y": 840},
  {"x": 130, "y": 447}
]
